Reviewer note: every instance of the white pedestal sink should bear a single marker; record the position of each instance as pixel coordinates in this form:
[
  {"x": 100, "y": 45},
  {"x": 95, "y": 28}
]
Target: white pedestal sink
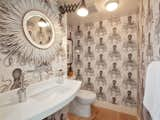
[{"x": 43, "y": 99}]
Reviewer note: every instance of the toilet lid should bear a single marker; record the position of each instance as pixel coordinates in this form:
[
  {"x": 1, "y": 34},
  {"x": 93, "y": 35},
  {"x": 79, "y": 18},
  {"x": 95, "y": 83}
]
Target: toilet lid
[{"x": 87, "y": 95}]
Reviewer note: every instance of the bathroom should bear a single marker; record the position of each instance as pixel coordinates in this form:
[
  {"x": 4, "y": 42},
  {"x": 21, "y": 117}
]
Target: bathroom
[{"x": 79, "y": 59}]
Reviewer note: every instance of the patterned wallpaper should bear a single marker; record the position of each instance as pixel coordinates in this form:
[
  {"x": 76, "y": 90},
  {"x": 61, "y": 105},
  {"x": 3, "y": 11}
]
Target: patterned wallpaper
[
  {"x": 11, "y": 69},
  {"x": 149, "y": 44},
  {"x": 105, "y": 59}
]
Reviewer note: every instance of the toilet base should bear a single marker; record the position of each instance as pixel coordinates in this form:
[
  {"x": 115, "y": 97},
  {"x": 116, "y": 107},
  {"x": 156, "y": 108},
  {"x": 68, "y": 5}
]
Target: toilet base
[{"x": 79, "y": 109}]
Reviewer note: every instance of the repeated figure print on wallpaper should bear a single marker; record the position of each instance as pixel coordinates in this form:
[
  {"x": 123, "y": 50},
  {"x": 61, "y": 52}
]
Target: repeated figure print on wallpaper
[
  {"x": 149, "y": 45},
  {"x": 105, "y": 59}
]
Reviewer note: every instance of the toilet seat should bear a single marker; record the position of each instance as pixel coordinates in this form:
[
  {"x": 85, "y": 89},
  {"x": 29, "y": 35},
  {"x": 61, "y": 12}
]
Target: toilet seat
[{"x": 86, "y": 97}]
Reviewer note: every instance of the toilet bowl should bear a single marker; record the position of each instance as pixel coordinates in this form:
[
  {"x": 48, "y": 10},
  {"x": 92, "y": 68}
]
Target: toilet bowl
[{"x": 81, "y": 105}]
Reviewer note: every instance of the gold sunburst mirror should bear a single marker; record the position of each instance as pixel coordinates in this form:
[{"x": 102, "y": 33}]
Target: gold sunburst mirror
[{"x": 30, "y": 30}]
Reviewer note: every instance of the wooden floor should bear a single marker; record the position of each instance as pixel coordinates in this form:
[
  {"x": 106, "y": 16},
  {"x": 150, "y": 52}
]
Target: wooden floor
[{"x": 104, "y": 114}]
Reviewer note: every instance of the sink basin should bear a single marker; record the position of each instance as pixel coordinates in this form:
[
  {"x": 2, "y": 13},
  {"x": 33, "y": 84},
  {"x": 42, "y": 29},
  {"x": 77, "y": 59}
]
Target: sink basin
[
  {"x": 8, "y": 98},
  {"x": 50, "y": 93},
  {"x": 43, "y": 99}
]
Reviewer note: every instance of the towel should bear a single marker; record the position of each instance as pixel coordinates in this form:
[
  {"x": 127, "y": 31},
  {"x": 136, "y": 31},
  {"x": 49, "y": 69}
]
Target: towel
[{"x": 152, "y": 90}]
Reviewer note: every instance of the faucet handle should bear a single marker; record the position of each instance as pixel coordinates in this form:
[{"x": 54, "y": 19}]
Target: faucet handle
[
  {"x": 22, "y": 91},
  {"x": 22, "y": 94},
  {"x": 22, "y": 80}
]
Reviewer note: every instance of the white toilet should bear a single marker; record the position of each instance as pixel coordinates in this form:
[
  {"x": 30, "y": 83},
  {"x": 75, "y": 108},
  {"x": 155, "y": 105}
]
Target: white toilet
[{"x": 81, "y": 105}]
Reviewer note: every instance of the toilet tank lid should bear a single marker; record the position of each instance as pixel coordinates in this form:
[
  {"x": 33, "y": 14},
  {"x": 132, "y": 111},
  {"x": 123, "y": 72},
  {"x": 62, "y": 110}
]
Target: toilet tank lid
[{"x": 85, "y": 94}]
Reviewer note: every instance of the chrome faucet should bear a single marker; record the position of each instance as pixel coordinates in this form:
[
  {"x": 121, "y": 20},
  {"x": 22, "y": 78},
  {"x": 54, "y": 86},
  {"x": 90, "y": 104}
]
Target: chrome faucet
[{"x": 22, "y": 90}]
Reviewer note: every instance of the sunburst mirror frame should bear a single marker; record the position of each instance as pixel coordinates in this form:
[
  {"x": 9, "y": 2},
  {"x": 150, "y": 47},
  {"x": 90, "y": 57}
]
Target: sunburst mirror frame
[
  {"x": 13, "y": 41},
  {"x": 40, "y": 22}
]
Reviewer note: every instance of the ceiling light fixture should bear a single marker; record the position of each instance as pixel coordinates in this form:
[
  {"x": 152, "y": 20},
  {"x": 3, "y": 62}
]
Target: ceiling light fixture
[
  {"x": 111, "y": 5},
  {"x": 80, "y": 8}
]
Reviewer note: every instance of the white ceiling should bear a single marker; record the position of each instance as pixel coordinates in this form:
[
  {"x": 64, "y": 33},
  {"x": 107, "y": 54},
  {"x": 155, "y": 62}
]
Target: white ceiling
[{"x": 98, "y": 12}]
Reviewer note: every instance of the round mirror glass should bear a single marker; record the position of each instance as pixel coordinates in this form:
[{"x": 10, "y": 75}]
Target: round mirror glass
[{"x": 38, "y": 29}]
